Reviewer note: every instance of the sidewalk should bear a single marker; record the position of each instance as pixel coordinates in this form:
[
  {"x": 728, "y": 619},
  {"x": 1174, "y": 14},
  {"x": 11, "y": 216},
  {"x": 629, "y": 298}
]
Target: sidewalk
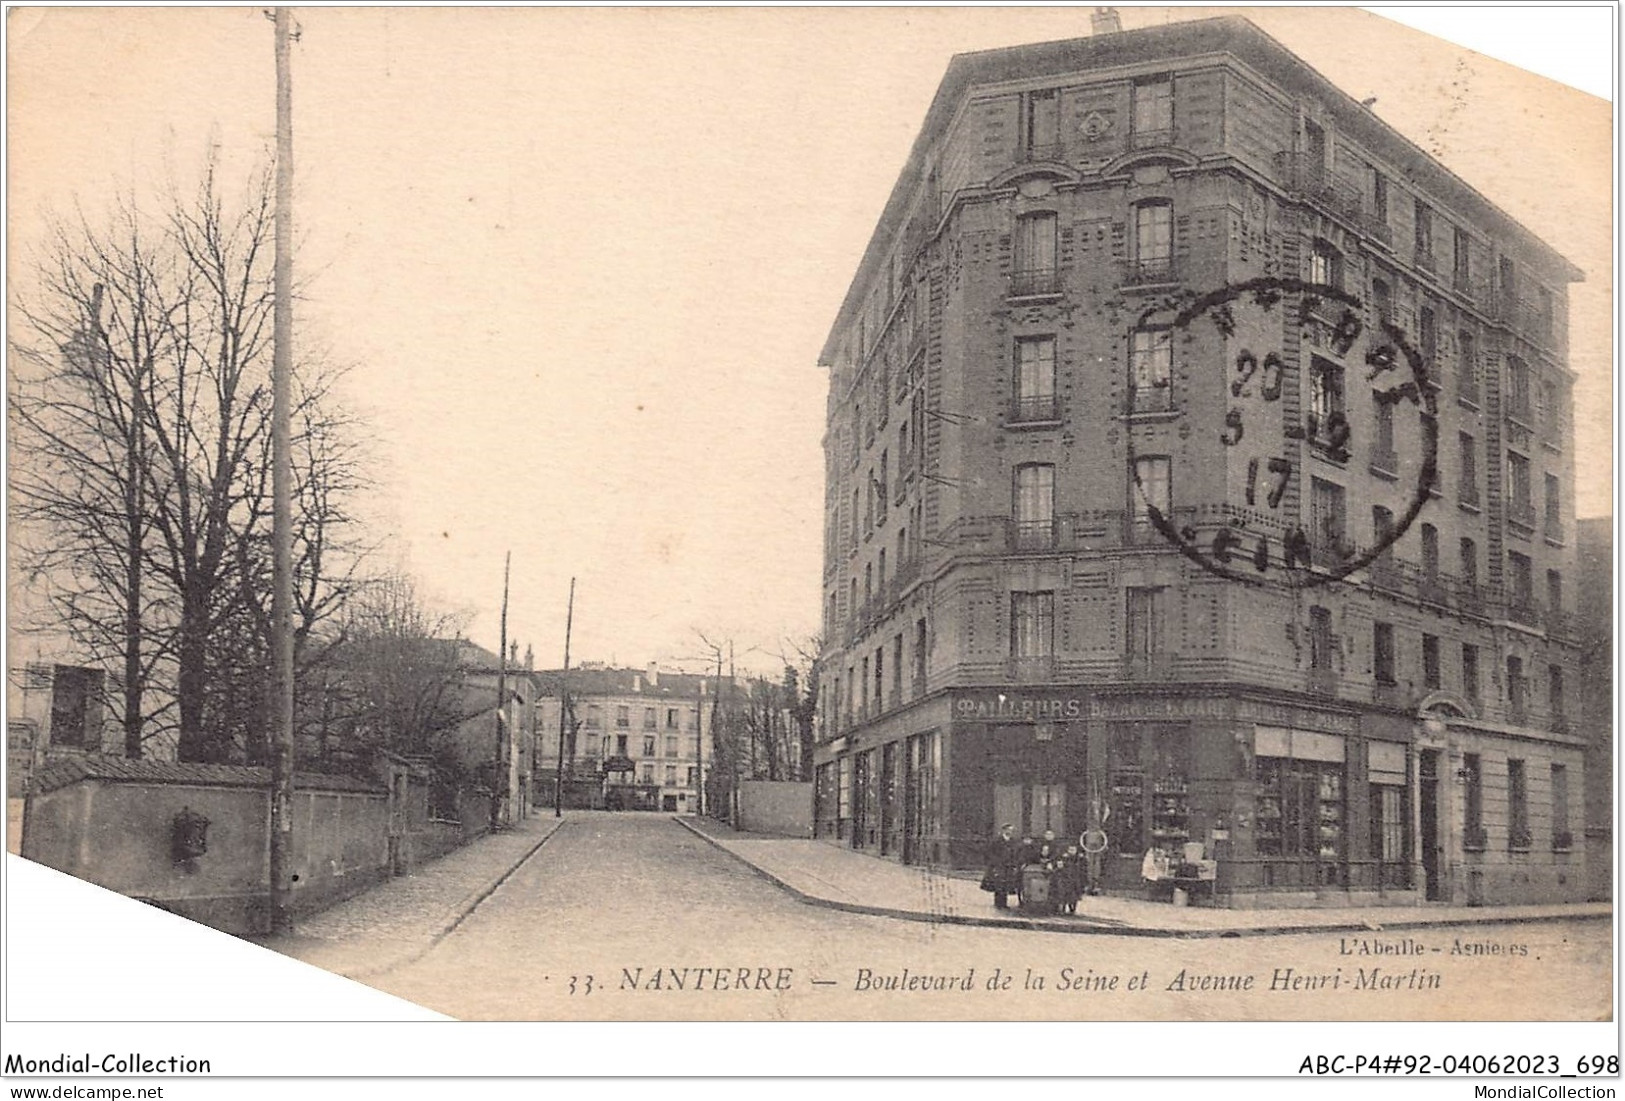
[
  {"x": 822, "y": 874},
  {"x": 398, "y": 921}
]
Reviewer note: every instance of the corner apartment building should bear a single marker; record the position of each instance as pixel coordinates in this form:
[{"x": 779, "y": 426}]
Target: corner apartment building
[
  {"x": 633, "y": 738},
  {"x": 1199, "y": 467}
]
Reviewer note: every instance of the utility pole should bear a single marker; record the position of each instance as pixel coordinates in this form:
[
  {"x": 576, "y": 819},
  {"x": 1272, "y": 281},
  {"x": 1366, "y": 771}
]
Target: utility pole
[
  {"x": 281, "y": 494},
  {"x": 699, "y": 747},
  {"x": 564, "y": 704},
  {"x": 497, "y": 800}
]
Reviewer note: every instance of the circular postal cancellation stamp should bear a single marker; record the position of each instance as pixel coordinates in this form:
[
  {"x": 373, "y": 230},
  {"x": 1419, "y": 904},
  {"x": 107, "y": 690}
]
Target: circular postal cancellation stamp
[{"x": 1313, "y": 389}]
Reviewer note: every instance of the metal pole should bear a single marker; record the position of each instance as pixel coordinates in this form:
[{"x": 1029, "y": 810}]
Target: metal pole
[
  {"x": 699, "y": 748},
  {"x": 281, "y": 490},
  {"x": 564, "y": 704},
  {"x": 499, "y": 795}
]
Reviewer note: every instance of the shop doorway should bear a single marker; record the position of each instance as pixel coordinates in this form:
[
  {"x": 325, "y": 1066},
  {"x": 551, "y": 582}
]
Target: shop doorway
[
  {"x": 1031, "y": 808},
  {"x": 1428, "y": 811}
]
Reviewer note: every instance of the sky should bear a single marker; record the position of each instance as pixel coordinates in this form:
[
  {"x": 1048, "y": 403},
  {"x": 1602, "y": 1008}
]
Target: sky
[{"x": 582, "y": 261}]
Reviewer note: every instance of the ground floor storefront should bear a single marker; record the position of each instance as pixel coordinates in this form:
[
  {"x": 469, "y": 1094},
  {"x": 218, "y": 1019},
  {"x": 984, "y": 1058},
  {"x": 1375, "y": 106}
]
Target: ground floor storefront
[{"x": 1296, "y": 801}]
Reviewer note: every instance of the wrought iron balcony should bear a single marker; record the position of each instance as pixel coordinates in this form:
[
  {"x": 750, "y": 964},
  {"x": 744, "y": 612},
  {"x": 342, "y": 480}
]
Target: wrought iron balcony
[
  {"x": 1032, "y": 535},
  {"x": 1150, "y": 271},
  {"x": 1308, "y": 179},
  {"x": 1035, "y": 410},
  {"x": 1523, "y": 610},
  {"x": 1156, "y": 398},
  {"x": 1027, "y": 284}
]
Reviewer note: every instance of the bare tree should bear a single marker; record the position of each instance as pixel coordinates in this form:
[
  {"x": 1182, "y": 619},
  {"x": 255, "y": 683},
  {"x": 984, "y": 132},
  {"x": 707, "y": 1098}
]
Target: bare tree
[{"x": 143, "y": 415}]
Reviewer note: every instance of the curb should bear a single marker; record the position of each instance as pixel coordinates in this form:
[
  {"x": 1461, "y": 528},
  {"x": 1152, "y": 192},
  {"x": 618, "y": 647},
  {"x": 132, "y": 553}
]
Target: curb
[
  {"x": 1108, "y": 927},
  {"x": 458, "y": 915}
]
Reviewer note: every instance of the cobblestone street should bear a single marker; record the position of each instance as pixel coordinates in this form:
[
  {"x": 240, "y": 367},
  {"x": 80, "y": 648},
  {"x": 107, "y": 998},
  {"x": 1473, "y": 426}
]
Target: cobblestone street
[{"x": 634, "y": 917}]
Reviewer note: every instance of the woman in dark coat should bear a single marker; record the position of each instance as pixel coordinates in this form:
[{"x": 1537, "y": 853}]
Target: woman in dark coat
[{"x": 1003, "y": 875}]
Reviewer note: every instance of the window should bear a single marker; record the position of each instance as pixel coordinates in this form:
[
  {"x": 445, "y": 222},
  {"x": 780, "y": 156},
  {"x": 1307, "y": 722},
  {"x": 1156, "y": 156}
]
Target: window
[
  {"x": 919, "y": 657},
  {"x": 1143, "y": 629},
  {"x": 1424, "y": 235},
  {"x": 1032, "y": 624},
  {"x": 620, "y": 745},
  {"x": 1467, "y": 489},
  {"x": 1517, "y": 688},
  {"x": 1517, "y": 804},
  {"x": 647, "y": 774},
  {"x": 882, "y": 487},
  {"x": 1430, "y": 661},
  {"x": 1554, "y": 592},
  {"x": 1315, "y": 151},
  {"x": 671, "y": 744},
  {"x": 1469, "y": 670},
  {"x": 1153, "y": 112},
  {"x": 863, "y": 685},
  {"x": 1388, "y": 772},
  {"x": 1554, "y": 508},
  {"x": 1035, "y": 255},
  {"x": 1327, "y": 419},
  {"x": 1035, "y": 506},
  {"x": 671, "y": 718},
  {"x": 897, "y": 668},
  {"x": 1382, "y": 652},
  {"x": 1521, "y": 504},
  {"x": 1379, "y": 197},
  {"x": 671, "y": 776},
  {"x": 1153, "y": 242},
  {"x": 1467, "y": 367},
  {"x": 1518, "y": 393},
  {"x": 1469, "y": 563},
  {"x": 648, "y": 718},
  {"x": 1300, "y": 810},
  {"x": 1328, "y": 518},
  {"x": 1543, "y": 312},
  {"x": 1382, "y": 527},
  {"x": 1430, "y": 553},
  {"x": 1151, "y": 371},
  {"x": 1320, "y": 638},
  {"x": 1561, "y": 837},
  {"x": 76, "y": 706},
  {"x": 1555, "y": 702},
  {"x": 1472, "y": 783},
  {"x": 1150, "y": 489},
  {"x": 621, "y": 717},
  {"x": 1382, "y": 450},
  {"x": 1326, "y": 265},
  {"x": 1428, "y": 323},
  {"x": 1035, "y": 379},
  {"x": 1382, "y": 301},
  {"x": 693, "y": 776},
  {"x": 1550, "y": 412},
  {"x": 1462, "y": 272},
  {"x": 1043, "y": 132},
  {"x": 595, "y": 716},
  {"x": 649, "y": 745}
]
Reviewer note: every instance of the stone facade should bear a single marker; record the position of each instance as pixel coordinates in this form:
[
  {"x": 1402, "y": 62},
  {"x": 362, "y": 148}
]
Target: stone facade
[{"x": 1199, "y": 468}]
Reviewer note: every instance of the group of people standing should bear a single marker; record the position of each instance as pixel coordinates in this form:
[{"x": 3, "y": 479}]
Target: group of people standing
[{"x": 1041, "y": 874}]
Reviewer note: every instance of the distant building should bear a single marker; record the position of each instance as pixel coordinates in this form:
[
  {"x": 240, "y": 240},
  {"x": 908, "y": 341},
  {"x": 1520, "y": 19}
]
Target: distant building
[
  {"x": 1130, "y": 520},
  {"x": 633, "y": 738},
  {"x": 1596, "y": 614}
]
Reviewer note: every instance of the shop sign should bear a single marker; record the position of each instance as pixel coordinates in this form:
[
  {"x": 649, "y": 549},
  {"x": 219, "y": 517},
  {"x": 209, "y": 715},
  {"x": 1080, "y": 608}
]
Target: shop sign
[{"x": 1014, "y": 707}]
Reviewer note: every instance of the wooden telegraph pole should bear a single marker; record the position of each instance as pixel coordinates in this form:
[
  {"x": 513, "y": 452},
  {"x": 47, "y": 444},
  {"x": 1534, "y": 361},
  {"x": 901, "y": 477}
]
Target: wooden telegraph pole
[
  {"x": 500, "y": 788},
  {"x": 281, "y": 494},
  {"x": 564, "y": 704}
]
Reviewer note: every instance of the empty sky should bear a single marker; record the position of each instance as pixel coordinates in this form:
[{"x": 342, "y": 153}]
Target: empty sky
[{"x": 584, "y": 259}]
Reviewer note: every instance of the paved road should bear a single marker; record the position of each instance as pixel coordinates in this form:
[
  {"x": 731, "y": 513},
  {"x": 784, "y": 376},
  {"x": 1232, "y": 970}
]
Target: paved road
[{"x": 648, "y": 922}]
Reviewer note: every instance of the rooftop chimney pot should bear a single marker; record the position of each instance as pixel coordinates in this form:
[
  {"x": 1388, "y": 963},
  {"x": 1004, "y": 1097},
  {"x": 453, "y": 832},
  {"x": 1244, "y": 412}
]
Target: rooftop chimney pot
[{"x": 1105, "y": 21}]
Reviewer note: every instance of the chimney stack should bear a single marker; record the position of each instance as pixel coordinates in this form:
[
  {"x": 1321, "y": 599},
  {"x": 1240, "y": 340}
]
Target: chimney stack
[
  {"x": 1105, "y": 21},
  {"x": 654, "y": 675}
]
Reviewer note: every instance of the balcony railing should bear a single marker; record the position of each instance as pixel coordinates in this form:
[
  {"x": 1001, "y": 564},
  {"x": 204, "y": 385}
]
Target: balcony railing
[
  {"x": 1035, "y": 410},
  {"x": 1308, "y": 179},
  {"x": 1150, "y": 271},
  {"x": 1523, "y": 610},
  {"x": 1156, "y": 398},
  {"x": 1027, "y": 284},
  {"x": 1521, "y": 513},
  {"x": 1032, "y": 535}
]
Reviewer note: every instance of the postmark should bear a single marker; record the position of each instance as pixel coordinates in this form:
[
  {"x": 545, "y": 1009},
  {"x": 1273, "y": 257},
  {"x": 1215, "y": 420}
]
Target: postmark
[{"x": 1288, "y": 422}]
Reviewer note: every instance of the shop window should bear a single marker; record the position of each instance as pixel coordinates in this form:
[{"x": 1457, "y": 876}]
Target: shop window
[
  {"x": 843, "y": 804},
  {"x": 1300, "y": 811},
  {"x": 1149, "y": 769},
  {"x": 1170, "y": 792},
  {"x": 1128, "y": 788}
]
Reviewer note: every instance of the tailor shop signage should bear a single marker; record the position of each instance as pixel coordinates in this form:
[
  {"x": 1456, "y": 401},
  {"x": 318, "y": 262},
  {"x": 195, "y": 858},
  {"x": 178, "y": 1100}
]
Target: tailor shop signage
[{"x": 1007, "y": 707}]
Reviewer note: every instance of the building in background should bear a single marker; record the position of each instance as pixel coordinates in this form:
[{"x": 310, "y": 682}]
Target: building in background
[
  {"x": 633, "y": 738},
  {"x": 1199, "y": 472},
  {"x": 1596, "y": 613}
]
